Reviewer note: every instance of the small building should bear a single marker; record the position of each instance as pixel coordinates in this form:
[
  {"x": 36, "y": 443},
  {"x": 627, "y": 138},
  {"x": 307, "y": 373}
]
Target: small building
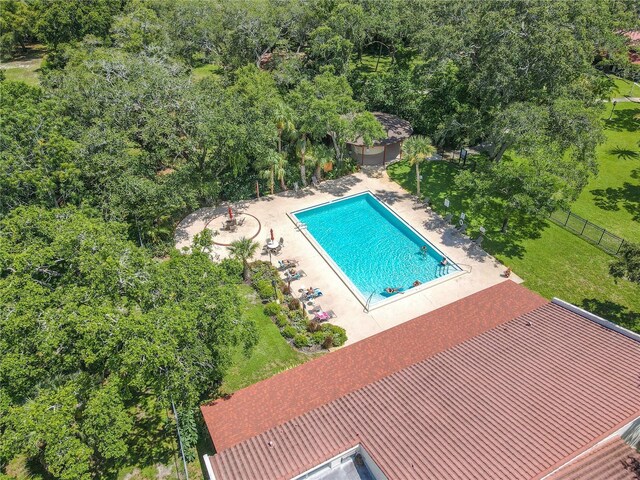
[{"x": 385, "y": 150}]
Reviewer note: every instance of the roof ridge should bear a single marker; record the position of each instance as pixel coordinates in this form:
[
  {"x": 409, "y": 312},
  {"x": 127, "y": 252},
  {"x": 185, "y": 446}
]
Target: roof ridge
[{"x": 596, "y": 319}]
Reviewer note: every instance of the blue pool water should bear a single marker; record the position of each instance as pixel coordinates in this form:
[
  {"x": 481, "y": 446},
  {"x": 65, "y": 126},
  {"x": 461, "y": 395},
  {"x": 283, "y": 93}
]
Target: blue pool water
[{"x": 372, "y": 246}]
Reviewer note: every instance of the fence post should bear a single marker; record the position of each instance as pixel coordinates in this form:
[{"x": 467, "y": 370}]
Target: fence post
[
  {"x": 603, "y": 230},
  {"x": 567, "y": 220},
  {"x": 620, "y": 246},
  {"x": 583, "y": 227}
]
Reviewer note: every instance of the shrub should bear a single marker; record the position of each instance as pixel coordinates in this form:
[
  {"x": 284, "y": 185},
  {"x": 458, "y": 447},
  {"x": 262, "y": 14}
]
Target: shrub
[
  {"x": 294, "y": 304},
  {"x": 272, "y": 309},
  {"x": 296, "y": 316},
  {"x": 338, "y": 333},
  {"x": 301, "y": 340},
  {"x": 328, "y": 341},
  {"x": 313, "y": 326},
  {"x": 282, "y": 320},
  {"x": 289, "y": 332},
  {"x": 232, "y": 267},
  {"x": 265, "y": 271},
  {"x": 317, "y": 338},
  {"x": 264, "y": 289}
]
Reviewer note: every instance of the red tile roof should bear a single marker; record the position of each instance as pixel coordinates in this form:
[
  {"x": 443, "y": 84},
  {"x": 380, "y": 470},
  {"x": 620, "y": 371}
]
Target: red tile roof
[
  {"x": 513, "y": 402},
  {"x": 291, "y": 393},
  {"x": 612, "y": 460}
]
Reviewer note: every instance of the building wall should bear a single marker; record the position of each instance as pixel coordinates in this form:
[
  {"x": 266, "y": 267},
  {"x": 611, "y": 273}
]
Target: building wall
[{"x": 375, "y": 155}]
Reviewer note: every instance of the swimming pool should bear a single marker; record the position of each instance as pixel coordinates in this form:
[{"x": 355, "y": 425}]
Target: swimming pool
[{"x": 372, "y": 248}]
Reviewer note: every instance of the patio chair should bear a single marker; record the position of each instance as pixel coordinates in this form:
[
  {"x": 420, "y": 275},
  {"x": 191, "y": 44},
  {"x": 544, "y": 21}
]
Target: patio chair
[
  {"x": 315, "y": 182},
  {"x": 295, "y": 187},
  {"x": 296, "y": 276},
  {"x": 281, "y": 242},
  {"x": 478, "y": 241},
  {"x": 447, "y": 218},
  {"x": 287, "y": 263},
  {"x": 241, "y": 222},
  {"x": 321, "y": 316}
]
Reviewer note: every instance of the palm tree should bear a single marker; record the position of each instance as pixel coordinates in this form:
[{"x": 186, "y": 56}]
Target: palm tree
[
  {"x": 301, "y": 151},
  {"x": 284, "y": 122},
  {"x": 418, "y": 149},
  {"x": 243, "y": 250},
  {"x": 274, "y": 164},
  {"x": 319, "y": 156}
]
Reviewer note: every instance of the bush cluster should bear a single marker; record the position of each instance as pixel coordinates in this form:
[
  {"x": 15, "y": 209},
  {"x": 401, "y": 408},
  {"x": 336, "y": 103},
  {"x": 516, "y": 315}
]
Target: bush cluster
[{"x": 286, "y": 312}]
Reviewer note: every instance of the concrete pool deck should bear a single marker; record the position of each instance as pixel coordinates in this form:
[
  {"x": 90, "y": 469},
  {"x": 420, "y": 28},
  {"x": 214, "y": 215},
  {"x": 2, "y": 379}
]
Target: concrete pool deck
[{"x": 484, "y": 270}]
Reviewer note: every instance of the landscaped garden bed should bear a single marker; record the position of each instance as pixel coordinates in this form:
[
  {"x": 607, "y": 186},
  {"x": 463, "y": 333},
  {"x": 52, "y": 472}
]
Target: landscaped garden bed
[{"x": 288, "y": 313}]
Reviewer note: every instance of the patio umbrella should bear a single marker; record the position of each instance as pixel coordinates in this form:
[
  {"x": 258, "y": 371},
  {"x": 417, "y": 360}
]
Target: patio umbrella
[
  {"x": 230, "y": 213},
  {"x": 272, "y": 236}
]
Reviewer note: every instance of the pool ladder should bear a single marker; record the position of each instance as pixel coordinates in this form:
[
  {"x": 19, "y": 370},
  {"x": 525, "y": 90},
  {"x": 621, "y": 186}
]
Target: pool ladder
[
  {"x": 301, "y": 226},
  {"x": 366, "y": 307}
]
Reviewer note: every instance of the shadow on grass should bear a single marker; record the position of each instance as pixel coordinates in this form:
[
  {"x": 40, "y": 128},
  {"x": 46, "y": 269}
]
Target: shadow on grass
[
  {"x": 624, "y": 153},
  {"x": 438, "y": 183},
  {"x": 614, "y": 312},
  {"x": 627, "y": 196},
  {"x": 623, "y": 120}
]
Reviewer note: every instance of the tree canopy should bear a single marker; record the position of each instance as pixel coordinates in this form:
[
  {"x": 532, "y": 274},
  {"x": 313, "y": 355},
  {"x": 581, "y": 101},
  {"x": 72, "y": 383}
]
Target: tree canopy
[{"x": 148, "y": 109}]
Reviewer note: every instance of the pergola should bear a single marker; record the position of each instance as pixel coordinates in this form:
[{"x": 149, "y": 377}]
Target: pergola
[{"x": 386, "y": 149}]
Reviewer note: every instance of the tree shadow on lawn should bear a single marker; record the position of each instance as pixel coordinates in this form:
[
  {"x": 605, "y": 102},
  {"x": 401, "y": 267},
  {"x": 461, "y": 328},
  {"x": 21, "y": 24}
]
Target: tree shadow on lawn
[
  {"x": 623, "y": 120},
  {"x": 438, "y": 183},
  {"x": 614, "y": 312},
  {"x": 611, "y": 199},
  {"x": 624, "y": 153}
]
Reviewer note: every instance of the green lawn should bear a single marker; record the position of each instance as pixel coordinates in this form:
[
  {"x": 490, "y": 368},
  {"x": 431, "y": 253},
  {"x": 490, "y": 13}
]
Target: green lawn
[
  {"x": 210, "y": 70},
  {"x": 623, "y": 88},
  {"x": 612, "y": 198},
  {"x": 25, "y": 67},
  {"x": 271, "y": 355}
]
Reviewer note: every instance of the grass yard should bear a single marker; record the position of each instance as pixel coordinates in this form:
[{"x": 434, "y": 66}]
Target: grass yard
[
  {"x": 25, "y": 68},
  {"x": 271, "y": 355},
  {"x": 612, "y": 198},
  {"x": 210, "y": 70},
  {"x": 623, "y": 88}
]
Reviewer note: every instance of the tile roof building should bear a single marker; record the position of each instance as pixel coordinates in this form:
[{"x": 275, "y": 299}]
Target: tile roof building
[{"x": 501, "y": 384}]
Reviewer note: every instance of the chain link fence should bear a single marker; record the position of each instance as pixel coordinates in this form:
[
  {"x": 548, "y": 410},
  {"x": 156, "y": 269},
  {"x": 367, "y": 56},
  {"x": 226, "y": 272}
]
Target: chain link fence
[{"x": 589, "y": 231}]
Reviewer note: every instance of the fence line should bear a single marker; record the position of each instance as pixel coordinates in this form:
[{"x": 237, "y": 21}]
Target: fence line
[{"x": 589, "y": 231}]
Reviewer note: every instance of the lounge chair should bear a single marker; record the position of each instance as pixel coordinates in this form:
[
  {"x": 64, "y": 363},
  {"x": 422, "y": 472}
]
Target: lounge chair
[
  {"x": 322, "y": 316},
  {"x": 296, "y": 276},
  {"x": 310, "y": 296},
  {"x": 287, "y": 264}
]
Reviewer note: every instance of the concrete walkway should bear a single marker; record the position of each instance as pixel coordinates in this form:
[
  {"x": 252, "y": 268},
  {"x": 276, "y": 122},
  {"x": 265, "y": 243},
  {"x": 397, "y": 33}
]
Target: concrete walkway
[{"x": 272, "y": 213}]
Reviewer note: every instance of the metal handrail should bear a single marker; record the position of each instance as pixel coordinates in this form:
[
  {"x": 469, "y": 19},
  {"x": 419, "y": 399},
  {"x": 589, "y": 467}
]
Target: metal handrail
[{"x": 366, "y": 307}]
